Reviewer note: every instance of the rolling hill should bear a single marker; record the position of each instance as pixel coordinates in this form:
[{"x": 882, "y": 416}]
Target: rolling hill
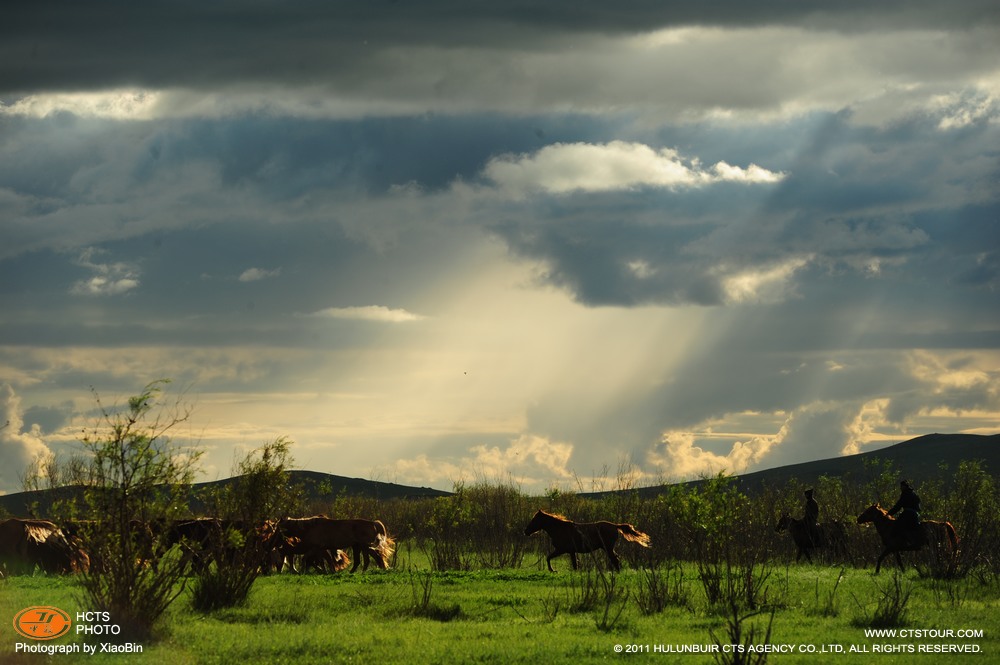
[
  {"x": 919, "y": 459},
  {"x": 316, "y": 486}
]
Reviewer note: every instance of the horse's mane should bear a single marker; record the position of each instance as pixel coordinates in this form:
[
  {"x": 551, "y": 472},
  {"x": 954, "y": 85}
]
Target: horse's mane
[
  {"x": 558, "y": 516},
  {"x": 877, "y": 507}
]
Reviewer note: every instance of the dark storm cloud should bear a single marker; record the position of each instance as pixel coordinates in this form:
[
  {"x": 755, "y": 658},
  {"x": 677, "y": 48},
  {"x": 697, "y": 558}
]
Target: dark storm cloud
[
  {"x": 268, "y": 194},
  {"x": 191, "y": 292},
  {"x": 75, "y": 46},
  {"x": 290, "y": 156},
  {"x": 279, "y": 156},
  {"x": 181, "y": 210},
  {"x": 909, "y": 208},
  {"x": 591, "y": 258}
]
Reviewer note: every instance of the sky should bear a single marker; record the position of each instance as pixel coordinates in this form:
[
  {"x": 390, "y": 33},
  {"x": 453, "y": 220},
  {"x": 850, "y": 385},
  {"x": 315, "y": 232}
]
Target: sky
[{"x": 563, "y": 245}]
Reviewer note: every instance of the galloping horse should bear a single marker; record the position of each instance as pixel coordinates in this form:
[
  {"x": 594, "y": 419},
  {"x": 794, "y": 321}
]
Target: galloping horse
[
  {"x": 573, "y": 538},
  {"x": 939, "y": 535},
  {"x": 830, "y": 535}
]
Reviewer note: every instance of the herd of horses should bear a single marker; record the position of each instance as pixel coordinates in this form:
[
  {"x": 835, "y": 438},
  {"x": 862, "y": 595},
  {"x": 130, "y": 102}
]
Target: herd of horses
[
  {"x": 317, "y": 542},
  {"x": 322, "y": 543}
]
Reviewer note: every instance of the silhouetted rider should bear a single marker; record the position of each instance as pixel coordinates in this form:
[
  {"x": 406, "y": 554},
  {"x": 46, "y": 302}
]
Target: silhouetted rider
[{"x": 908, "y": 507}]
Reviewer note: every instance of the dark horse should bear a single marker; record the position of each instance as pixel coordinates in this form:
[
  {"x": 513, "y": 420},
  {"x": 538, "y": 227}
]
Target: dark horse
[
  {"x": 573, "y": 538},
  {"x": 939, "y": 535},
  {"x": 321, "y": 537},
  {"x": 831, "y": 535}
]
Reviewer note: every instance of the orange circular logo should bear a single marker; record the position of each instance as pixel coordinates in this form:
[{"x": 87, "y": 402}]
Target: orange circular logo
[{"x": 42, "y": 623}]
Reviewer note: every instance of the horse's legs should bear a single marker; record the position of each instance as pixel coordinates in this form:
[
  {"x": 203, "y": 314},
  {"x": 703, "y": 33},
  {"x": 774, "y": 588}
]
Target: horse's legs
[
  {"x": 878, "y": 563},
  {"x": 375, "y": 554},
  {"x": 616, "y": 563},
  {"x": 357, "y": 557},
  {"x": 899, "y": 560},
  {"x": 548, "y": 560},
  {"x": 572, "y": 558}
]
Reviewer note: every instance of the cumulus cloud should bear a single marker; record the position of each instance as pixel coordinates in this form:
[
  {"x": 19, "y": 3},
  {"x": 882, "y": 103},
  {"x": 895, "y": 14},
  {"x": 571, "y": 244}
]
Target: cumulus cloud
[
  {"x": 953, "y": 382},
  {"x": 618, "y": 165},
  {"x": 535, "y": 461},
  {"x": 108, "y": 279},
  {"x": 367, "y": 313},
  {"x": 678, "y": 457},
  {"x": 812, "y": 431},
  {"x": 837, "y": 408},
  {"x": 18, "y": 448}
]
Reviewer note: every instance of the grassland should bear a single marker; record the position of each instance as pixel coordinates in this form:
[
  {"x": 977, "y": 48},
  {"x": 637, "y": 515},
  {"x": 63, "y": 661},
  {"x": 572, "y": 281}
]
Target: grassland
[
  {"x": 415, "y": 615},
  {"x": 468, "y": 586}
]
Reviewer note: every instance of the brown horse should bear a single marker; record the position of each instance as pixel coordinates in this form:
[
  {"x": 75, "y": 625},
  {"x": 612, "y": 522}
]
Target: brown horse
[
  {"x": 940, "y": 536},
  {"x": 314, "y": 535},
  {"x": 831, "y": 535},
  {"x": 27, "y": 543},
  {"x": 573, "y": 538}
]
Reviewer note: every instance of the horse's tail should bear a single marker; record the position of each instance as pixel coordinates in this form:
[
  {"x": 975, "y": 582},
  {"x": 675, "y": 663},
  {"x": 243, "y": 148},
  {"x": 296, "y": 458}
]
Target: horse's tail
[
  {"x": 952, "y": 536},
  {"x": 633, "y": 535},
  {"x": 384, "y": 544}
]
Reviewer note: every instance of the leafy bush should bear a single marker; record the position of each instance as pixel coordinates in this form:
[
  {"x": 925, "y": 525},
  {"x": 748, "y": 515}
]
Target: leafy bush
[
  {"x": 240, "y": 545},
  {"x": 135, "y": 479}
]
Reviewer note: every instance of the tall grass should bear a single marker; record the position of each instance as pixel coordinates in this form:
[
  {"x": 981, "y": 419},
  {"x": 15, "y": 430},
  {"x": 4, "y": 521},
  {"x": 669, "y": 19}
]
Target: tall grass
[
  {"x": 890, "y": 609},
  {"x": 826, "y": 602}
]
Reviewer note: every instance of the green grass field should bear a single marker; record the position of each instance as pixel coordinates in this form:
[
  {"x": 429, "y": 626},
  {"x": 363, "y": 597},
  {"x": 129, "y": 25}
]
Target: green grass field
[{"x": 409, "y": 614}]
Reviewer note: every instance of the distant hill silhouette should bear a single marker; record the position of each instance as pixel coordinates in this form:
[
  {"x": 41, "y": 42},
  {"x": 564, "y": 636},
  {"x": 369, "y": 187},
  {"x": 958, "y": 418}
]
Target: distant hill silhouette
[
  {"x": 918, "y": 459},
  {"x": 316, "y": 486}
]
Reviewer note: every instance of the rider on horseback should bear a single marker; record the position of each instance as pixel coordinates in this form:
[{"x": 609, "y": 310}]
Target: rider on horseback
[
  {"x": 811, "y": 518},
  {"x": 908, "y": 524}
]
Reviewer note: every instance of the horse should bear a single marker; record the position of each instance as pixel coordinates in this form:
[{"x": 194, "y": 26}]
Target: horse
[
  {"x": 25, "y": 543},
  {"x": 572, "y": 538},
  {"x": 940, "y": 535},
  {"x": 367, "y": 538},
  {"x": 831, "y": 535}
]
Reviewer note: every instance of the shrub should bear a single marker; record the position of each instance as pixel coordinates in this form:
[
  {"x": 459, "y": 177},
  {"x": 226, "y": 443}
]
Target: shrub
[
  {"x": 661, "y": 587},
  {"x": 238, "y": 547},
  {"x": 135, "y": 479}
]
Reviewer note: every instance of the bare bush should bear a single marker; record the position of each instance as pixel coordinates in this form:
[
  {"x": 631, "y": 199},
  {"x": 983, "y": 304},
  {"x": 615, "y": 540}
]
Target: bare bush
[
  {"x": 661, "y": 587},
  {"x": 742, "y": 637}
]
